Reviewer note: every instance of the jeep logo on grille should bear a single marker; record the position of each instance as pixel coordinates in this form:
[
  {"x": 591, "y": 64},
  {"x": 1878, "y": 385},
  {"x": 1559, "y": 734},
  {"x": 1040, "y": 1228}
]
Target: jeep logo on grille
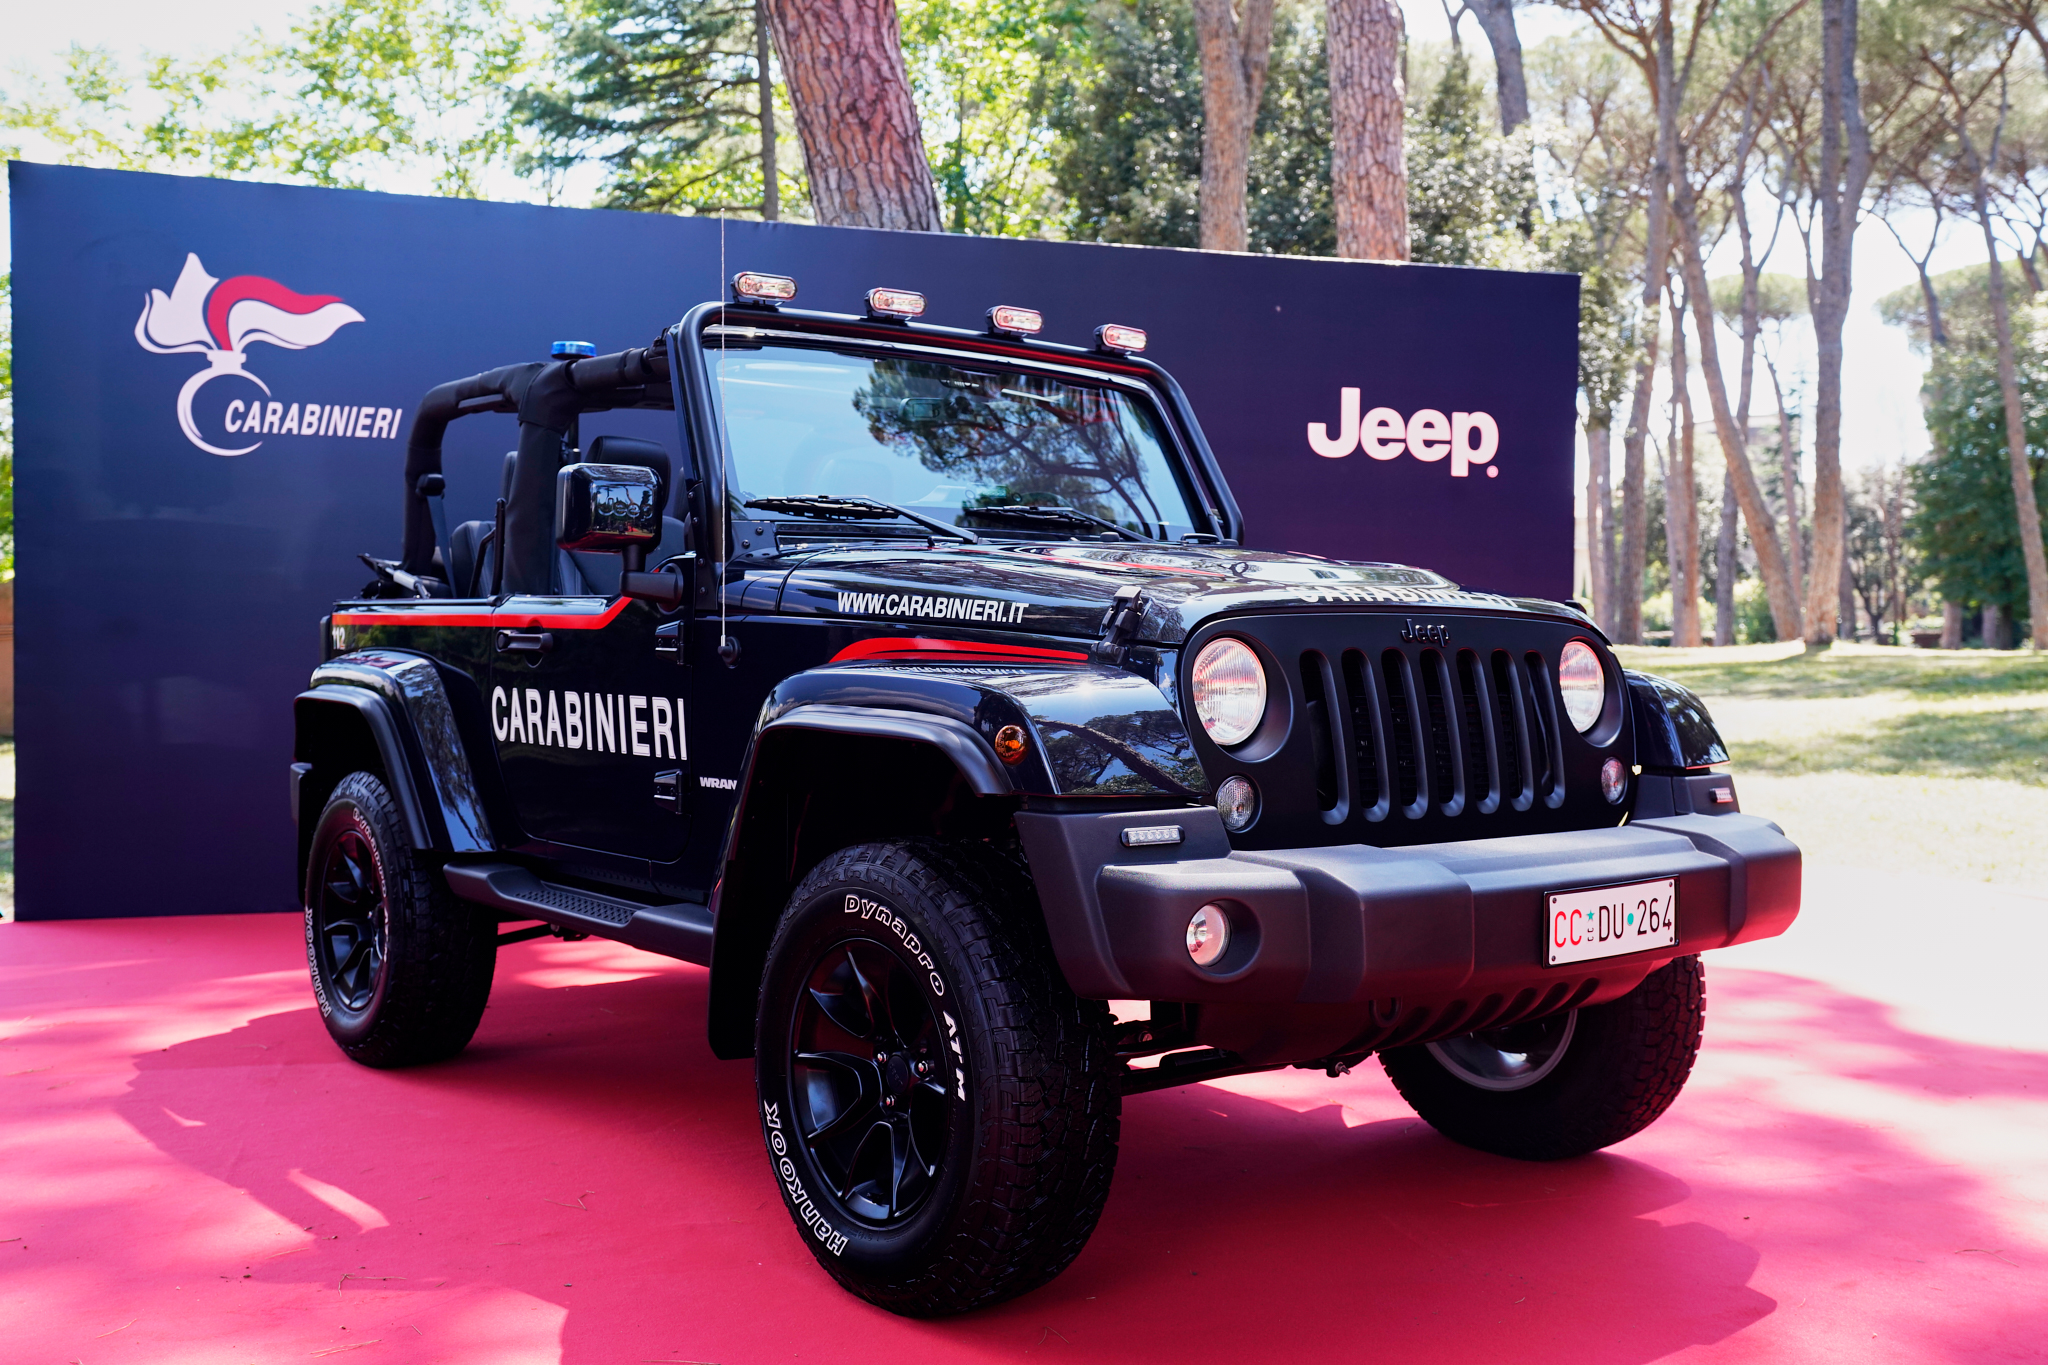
[{"x": 1425, "y": 634}]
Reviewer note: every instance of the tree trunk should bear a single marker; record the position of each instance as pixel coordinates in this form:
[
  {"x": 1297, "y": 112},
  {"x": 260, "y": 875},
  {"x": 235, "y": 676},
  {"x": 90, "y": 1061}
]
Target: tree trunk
[
  {"x": 1996, "y": 632},
  {"x": 1681, "y": 500},
  {"x": 863, "y": 149},
  {"x": 1368, "y": 167},
  {"x": 1497, "y": 18},
  {"x": 1763, "y": 531},
  {"x": 1724, "y": 565},
  {"x": 2015, "y": 424},
  {"x": 1235, "y": 47},
  {"x": 1788, "y": 472},
  {"x": 1599, "y": 449},
  {"x": 1951, "y": 625},
  {"x": 1656, "y": 257},
  {"x": 771, "y": 188},
  {"x": 1845, "y": 170}
]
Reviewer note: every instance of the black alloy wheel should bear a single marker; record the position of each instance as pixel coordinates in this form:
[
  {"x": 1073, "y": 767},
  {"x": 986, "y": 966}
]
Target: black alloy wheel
[
  {"x": 867, "y": 1080},
  {"x": 940, "y": 1111},
  {"x": 401, "y": 968},
  {"x": 351, "y": 923}
]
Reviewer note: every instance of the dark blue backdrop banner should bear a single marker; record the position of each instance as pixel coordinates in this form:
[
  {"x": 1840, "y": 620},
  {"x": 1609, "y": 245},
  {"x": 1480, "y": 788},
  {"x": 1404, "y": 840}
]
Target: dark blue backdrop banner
[{"x": 214, "y": 381}]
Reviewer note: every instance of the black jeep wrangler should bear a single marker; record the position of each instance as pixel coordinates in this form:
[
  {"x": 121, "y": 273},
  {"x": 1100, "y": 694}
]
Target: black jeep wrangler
[{"x": 922, "y": 691}]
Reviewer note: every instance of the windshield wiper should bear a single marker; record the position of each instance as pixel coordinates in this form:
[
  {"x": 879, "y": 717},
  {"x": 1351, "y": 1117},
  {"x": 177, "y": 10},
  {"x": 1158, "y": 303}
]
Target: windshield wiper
[
  {"x": 829, "y": 508},
  {"x": 1042, "y": 514}
]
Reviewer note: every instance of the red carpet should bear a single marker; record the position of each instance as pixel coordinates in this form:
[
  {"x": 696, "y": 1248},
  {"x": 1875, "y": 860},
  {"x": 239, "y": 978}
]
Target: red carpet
[{"x": 189, "y": 1172}]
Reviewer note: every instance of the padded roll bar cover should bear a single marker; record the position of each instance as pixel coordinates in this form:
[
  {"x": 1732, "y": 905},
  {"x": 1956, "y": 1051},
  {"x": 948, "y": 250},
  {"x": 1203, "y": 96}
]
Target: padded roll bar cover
[{"x": 498, "y": 390}]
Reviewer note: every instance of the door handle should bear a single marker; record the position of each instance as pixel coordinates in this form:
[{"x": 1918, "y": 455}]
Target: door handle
[{"x": 525, "y": 641}]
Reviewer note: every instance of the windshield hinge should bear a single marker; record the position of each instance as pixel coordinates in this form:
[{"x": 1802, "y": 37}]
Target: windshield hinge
[{"x": 1119, "y": 624}]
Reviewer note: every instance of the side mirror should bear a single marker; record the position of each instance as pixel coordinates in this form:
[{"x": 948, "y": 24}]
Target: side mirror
[{"x": 608, "y": 507}]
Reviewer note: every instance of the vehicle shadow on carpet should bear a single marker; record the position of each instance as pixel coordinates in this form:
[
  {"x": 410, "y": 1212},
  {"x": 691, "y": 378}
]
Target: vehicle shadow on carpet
[{"x": 589, "y": 1153}]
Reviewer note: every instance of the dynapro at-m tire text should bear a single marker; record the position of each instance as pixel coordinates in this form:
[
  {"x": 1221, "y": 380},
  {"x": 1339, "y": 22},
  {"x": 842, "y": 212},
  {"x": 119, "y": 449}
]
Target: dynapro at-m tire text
[{"x": 940, "y": 1110}]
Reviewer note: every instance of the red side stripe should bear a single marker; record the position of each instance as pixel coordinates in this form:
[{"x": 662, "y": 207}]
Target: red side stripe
[
  {"x": 502, "y": 620},
  {"x": 914, "y": 646}
]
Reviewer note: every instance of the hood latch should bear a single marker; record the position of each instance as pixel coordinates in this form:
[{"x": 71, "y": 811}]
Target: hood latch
[{"x": 1119, "y": 624}]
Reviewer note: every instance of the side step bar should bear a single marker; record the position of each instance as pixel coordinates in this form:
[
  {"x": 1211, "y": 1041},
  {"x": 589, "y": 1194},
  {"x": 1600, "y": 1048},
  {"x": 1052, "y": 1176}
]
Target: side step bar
[
  {"x": 681, "y": 930},
  {"x": 1185, "y": 1068}
]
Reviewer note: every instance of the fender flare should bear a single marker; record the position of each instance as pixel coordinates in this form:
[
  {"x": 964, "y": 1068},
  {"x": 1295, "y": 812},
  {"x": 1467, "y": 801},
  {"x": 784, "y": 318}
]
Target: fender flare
[
  {"x": 742, "y": 922},
  {"x": 1673, "y": 730}
]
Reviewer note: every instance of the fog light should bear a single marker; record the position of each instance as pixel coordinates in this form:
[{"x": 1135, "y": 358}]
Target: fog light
[
  {"x": 1208, "y": 935},
  {"x": 1237, "y": 801},
  {"x": 1613, "y": 781}
]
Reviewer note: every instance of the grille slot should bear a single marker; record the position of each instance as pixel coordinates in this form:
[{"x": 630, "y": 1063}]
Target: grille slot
[
  {"x": 1316, "y": 689},
  {"x": 1513, "y": 709},
  {"x": 1404, "y": 736},
  {"x": 1368, "y": 737},
  {"x": 1446, "y": 765},
  {"x": 1482, "y": 762},
  {"x": 1550, "y": 760}
]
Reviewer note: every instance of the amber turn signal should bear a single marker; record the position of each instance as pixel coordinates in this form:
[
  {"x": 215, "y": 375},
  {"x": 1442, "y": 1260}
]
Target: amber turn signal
[{"x": 1010, "y": 744}]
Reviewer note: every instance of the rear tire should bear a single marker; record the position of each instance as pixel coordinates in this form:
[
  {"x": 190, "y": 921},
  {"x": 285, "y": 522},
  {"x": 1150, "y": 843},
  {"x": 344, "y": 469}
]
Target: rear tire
[
  {"x": 401, "y": 968},
  {"x": 940, "y": 1110},
  {"x": 1565, "y": 1085}
]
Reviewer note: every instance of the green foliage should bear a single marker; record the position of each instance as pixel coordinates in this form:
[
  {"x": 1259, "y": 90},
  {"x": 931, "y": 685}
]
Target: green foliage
[
  {"x": 361, "y": 92},
  {"x": 1471, "y": 191},
  {"x": 1127, "y": 109},
  {"x": 1780, "y": 298},
  {"x": 1965, "y": 298},
  {"x": 980, "y": 71},
  {"x": 1965, "y": 525},
  {"x": 665, "y": 94}
]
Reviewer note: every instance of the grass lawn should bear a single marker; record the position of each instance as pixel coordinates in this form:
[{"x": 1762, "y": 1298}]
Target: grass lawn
[{"x": 1914, "y": 761}]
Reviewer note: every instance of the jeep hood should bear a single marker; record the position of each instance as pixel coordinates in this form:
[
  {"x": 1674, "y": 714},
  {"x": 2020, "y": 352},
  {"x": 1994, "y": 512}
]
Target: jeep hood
[{"x": 1066, "y": 588}]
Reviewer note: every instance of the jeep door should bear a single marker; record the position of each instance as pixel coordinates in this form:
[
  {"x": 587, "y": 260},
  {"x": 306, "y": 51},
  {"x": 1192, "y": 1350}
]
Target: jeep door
[{"x": 587, "y": 706}]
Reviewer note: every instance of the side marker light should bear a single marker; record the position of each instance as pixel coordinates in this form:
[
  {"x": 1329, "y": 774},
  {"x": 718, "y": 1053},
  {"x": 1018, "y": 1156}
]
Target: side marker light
[
  {"x": 1112, "y": 336},
  {"x": 901, "y": 304},
  {"x": 1007, "y": 320},
  {"x": 1010, "y": 744},
  {"x": 1237, "y": 801},
  {"x": 754, "y": 287}
]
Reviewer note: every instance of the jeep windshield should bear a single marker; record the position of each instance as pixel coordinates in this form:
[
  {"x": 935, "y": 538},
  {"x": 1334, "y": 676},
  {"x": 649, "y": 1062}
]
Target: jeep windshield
[{"x": 945, "y": 439}]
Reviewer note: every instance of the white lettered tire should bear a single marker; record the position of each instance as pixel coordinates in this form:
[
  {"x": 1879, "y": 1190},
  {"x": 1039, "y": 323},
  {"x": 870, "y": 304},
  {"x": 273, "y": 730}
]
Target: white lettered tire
[{"x": 940, "y": 1111}]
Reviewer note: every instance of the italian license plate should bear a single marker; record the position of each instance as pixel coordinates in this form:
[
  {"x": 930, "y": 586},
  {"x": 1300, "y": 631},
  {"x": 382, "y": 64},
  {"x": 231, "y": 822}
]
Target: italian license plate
[{"x": 1608, "y": 921}]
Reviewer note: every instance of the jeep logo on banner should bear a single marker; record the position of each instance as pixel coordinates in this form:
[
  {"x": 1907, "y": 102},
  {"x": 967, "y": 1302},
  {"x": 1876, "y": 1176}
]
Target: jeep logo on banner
[
  {"x": 1469, "y": 438},
  {"x": 221, "y": 319}
]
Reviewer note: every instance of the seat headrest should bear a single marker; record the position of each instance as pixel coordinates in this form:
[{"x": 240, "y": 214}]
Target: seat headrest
[{"x": 631, "y": 450}]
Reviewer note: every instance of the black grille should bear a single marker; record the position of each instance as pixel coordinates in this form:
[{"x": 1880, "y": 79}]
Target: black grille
[
  {"x": 1464, "y": 734},
  {"x": 1398, "y": 730}
]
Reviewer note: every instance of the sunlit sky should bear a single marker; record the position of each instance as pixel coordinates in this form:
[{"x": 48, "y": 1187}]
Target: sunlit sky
[{"x": 1881, "y": 409}]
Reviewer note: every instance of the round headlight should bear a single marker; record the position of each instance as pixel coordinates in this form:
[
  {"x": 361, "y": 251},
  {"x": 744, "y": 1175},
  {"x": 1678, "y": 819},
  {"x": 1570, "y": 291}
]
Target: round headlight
[
  {"x": 1582, "y": 683},
  {"x": 1229, "y": 690}
]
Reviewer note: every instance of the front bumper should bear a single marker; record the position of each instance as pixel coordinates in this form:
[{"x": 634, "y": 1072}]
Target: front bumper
[{"x": 1453, "y": 929}]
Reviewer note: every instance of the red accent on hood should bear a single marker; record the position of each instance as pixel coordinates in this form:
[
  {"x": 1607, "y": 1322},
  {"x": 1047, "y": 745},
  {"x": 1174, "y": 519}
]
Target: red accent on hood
[
  {"x": 230, "y": 292},
  {"x": 916, "y": 646}
]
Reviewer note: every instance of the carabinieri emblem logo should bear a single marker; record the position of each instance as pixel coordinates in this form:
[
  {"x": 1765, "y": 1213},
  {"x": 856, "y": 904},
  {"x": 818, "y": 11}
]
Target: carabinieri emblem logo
[{"x": 222, "y": 319}]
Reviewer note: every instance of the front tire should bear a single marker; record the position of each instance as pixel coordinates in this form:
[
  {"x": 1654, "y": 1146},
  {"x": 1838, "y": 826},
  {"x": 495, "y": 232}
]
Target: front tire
[
  {"x": 1567, "y": 1084},
  {"x": 940, "y": 1110},
  {"x": 401, "y": 968}
]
